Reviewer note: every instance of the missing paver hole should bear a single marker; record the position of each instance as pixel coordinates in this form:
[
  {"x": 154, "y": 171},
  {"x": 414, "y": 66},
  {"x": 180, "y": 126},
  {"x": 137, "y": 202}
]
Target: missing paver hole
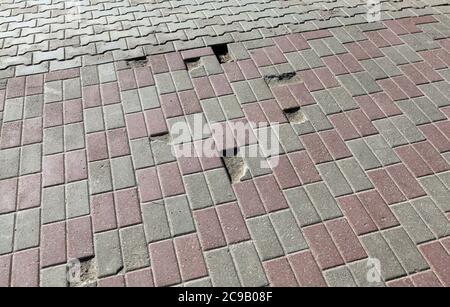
[
  {"x": 282, "y": 79},
  {"x": 137, "y": 62},
  {"x": 221, "y": 52},
  {"x": 83, "y": 273},
  {"x": 295, "y": 115},
  {"x": 234, "y": 165}
]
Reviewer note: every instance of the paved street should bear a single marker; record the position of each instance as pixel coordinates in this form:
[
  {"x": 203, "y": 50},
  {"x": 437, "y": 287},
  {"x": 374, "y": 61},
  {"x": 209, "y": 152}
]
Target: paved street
[{"x": 224, "y": 143}]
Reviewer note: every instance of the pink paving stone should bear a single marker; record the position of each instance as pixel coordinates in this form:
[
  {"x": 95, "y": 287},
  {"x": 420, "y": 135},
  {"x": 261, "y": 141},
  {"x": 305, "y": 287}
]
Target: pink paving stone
[
  {"x": 248, "y": 198},
  {"x": 187, "y": 158},
  {"x": 32, "y": 131},
  {"x": 396, "y": 27},
  {"x": 272, "y": 111},
  {"x": 53, "y": 170},
  {"x": 322, "y": 246},
  {"x": 405, "y": 181},
  {"x": 343, "y": 126},
  {"x": 203, "y": 88},
  {"x": 209, "y": 229},
  {"x": 242, "y": 132},
  {"x": 350, "y": 63},
  {"x": 62, "y": 74},
  {"x": 403, "y": 282},
  {"x": 10, "y": 134},
  {"x": 144, "y": 76},
  {"x": 408, "y": 86},
  {"x": 164, "y": 263},
  {"x": 302, "y": 94},
  {"x": 220, "y": 85},
  {"x": 118, "y": 142},
  {"x": 5, "y": 270},
  {"x": 370, "y": 108},
  {"x": 156, "y": 125},
  {"x": 391, "y": 37},
  {"x": 413, "y": 74},
  {"x": 311, "y": 80},
  {"x": 190, "y": 257},
  {"x": 53, "y": 244},
  {"x": 298, "y": 41},
  {"x": 34, "y": 85},
  {"x": 76, "y": 166},
  {"x": 304, "y": 167},
  {"x": 346, "y": 240},
  {"x": 25, "y": 268},
  {"x": 136, "y": 126},
  {"x": 233, "y": 224},
  {"x": 127, "y": 207},
  {"x": 8, "y": 191},
  {"x": 112, "y": 282},
  {"x": 419, "y": 20},
  {"x": 386, "y": 186},
  {"x": 357, "y": 51},
  {"x": 233, "y": 71},
  {"x": 284, "y": 97},
  {"x": 316, "y": 148},
  {"x": 260, "y": 57},
  {"x": 223, "y": 136},
  {"x": 428, "y": 72},
  {"x": 336, "y": 146},
  {"x": 15, "y": 87},
  {"x": 175, "y": 61},
  {"x": 378, "y": 209},
  {"x": 126, "y": 79},
  {"x": 110, "y": 93},
  {"x": 336, "y": 65},
  {"x": 255, "y": 114},
  {"x": 171, "y": 105},
  {"x": 377, "y": 39},
  {"x": 392, "y": 89},
  {"x": 306, "y": 270},
  {"x": 436, "y": 137},
  {"x": 279, "y": 273},
  {"x": 102, "y": 212},
  {"x": 371, "y": 49},
  {"x": 148, "y": 184},
  {"x": 362, "y": 123},
  {"x": 97, "y": 148},
  {"x": 53, "y": 114},
  {"x": 426, "y": 279},
  {"x": 444, "y": 127},
  {"x": 158, "y": 64},
  {"x": 29, "y": 194},
  {"x": 270, "y": 193},
  {"x": 189, "y": 102},
  {"x": 386, "y": 104},
  {"x": 284, "y": 172},
  {"x": 2, "y": 99},
  {"x": 284, "y": 44},
  {"x": 413, "y": 161},
  {"x": 317, "y": 34},
  {"x": 431, "y": 57},
  {"x": 91, "y": 96},
  {"x": 79, "y": 238},
  {"x": 142, "y": 278},
  {"x": 360, "y": 220},
  {"x": 444, "y": 56},
  {"x": 73, "y": 111},
  {"x": 196, "y": 53},
  {"x": 249, "y": 69},
  {"x": 438, "y": 259},
  {"x": 275, "y": 55},
  {"x": 170, "y": 179},
  {"x": 326, "y": 77},
  {"x": 208, "y": 154}
]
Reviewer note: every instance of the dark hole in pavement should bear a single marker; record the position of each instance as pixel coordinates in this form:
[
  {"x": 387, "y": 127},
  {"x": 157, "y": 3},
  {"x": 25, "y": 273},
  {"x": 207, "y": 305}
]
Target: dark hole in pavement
[
  {"x": 221, "y": 52},
  {"x": 137, "y": 61},
  {"x": 234, "y": 165},
  {"x": 295, "y": 115},
  {"x": 192, "y": 63},
  {"x": 284, "y": 78}
]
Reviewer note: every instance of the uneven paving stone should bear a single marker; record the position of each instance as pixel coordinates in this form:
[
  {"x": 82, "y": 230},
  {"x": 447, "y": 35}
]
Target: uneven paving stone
[
  {"x": 248, "y": 265},
  {"x": 221, "y": 267},
  {"x": 134, "y": 248}
]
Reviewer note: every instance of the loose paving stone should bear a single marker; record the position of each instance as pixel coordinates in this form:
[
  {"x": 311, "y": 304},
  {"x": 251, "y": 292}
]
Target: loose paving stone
[
  {"x": 108, "y": 254},
  {"x": 266, "y": 239},
  {"x": 134, "y": 248},
  {"x": 221, "y": 267},
  {"x": 248, "y": 265}
]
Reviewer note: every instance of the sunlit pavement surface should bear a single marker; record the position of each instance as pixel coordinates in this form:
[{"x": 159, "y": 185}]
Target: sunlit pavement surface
[{"x": 103, "y": 180}]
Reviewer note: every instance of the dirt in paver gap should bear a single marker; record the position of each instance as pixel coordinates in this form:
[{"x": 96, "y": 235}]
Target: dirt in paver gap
[
  {"x": 88, "y": 274},
  {"x": 234, "y": 165},
  {"x": 295, "y": 115},
  {"x": 137, "y": 62}
]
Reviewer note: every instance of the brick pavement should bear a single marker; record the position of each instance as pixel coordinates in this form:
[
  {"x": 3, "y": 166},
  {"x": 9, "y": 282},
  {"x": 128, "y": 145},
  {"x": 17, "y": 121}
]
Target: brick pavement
[{"x": 90, "y": 164}]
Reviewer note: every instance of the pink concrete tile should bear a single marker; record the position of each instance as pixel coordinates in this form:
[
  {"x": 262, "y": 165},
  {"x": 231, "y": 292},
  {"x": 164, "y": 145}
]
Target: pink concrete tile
[
  {"x": 370, "y": 107},
  {"x": 306, "y": 270},
  {"x": 386, "y": 186},
  {"x": 76, "y": 166},
  {"x": 10, "y": 134},
  {"x": 91, "y": 96},
  {"x": 79, "y": 238},
  {"x": 220, "y": 85},
  {"x": 175, "y": 61},
  {"x": 156, "y": 125},
  {"x": 170, "y": 179},
  {"x": 73, "y": 111},
  {"x": 444, "y": 128},
  {"x": 432, "y": 58},
  {"x": 110, "y": 93},
  {"x": 233, "y": 224},
  {"x": 15, "y": 87},
  {"x": 335, "y": 64},
  {"x": 413, "y": 74},
  {"x": 118, "y": 142},
  {"x": 279, "y": 273},
  {"x": 209, "y": 229},
  {"x": 377, "y": 39},
  {"x": 148, "y": 184},
  {"x": 446, "y": 241},
  {"x": 53, "y": 170},
  {"x": 298, "y": 41},
  {"x": 395, "y": 27},
  {"x": 392, "y": 38},
  {"x": 164, "y": 263},
  {"x": 284, "y": 44},
  {"x": 350, "y": 63},
  {"x": 438, "y": 259},
  {"x": 405, "y": 181},
  {"x": 378, "y": 209},
  {"x": 436, "y": 137},
  {"x": 270, "y": 193},
  {"x": 25, "y": 268},
  {"x": 326, "y": 77},
  {"x": 357, "y": 51},
  {"x": 403, "y": 282},
  {"x": 358, "y": 217},
  {"x": 187, "y": 158},
  {"x": 430, "y": 74},
  {"x": 317, "y": 34},
  {"x": 158, "y": 64},
  {"x": 112, "y": 282},
  {"x": 316, "y": 148},
  {"x": 335, "y": 145},
  {"x": 260, "y": 57},
  {"x": 444, "y": 56},
  {"x": 311, "y": 80},
  {"x": 5, "y": 270},
  {"x": 408, "y": 86},
  {"x": 136, "y": 126},
  {"x": 32, "y": 131},
  {"x": 362, "y": 123},
  {"x": 249, "y": 69},
  {"x": 413, "y": 161},
  {"x": 189, "y": 102},
  {"x": 8, "y": 191},
  {"x": 284, "y": 97},
  {"x": 53, "y": 114},
  {"x": 426, "y": 279},
  {"x": 284, "y": 172},
  {"x": 127, "y": 207},
  {"x": 126, "y": 79},
  {"x": 34, "y": 85},
  {"x": 302, "y": 94},
  {"x": 233, "y": 72},
  {"x": 190, "y": 257},
  {"x": 171, "y": 105},
  {"x": 97, "y": 148},
  {"x": 431, "y": 156},
  {"x": 144, "y": 76},
  {"x": 102, "y": 212},
  {"x": 29, "y": 193},
  {"x": 255, "y": 114},
  {"x": 322, "y": 246},
  {"x": 371, "y": 49},
  {"x": 53, "y": 244},
  {"x": 392, "y": 89},
  {"x": 249, "y": 199},
  {"x": 142, "y": 278},
  {"x": 343, "y": 126},
  {"x": 203, "y": 88},
  {"x": 275, "y": 55},
  {"x": 208, "y": 154},
  {"x": 304, "y": 167},
  {"x": 273, "y": 112},
  {"x": 386, "y": 104}
]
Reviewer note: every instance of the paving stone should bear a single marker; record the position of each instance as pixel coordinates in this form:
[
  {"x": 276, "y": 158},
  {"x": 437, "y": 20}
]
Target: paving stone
[
  {"x": 382, "y": 150},
  {"x": 108, "y": 254},
  {"x": 323, "y": 201},
  {"x": 339, "y": 277},
  {"x": 100, "y": 177},
  {"x": 155, "y": 222},
  {"x": 290, "y": 235},
  {"x": 265, "y": 238},
  {"x": 437, "y": 190},
  {"x": 27, "y": 227},
  {"x": 30, "y": 161},
  {"x": 416, "y": 228},
  {"x": 141, "y": 153},
  {"x": 54, "y": 277},
  {"x": 77, "y": 199},
  {"x": 248, "y": 265},
  {"x": 122, "y": 173},
  {"x": 363, "y": 154},
  {"x": 53, "y": 204},
  {"x": 114, "y": 117},
  {"x": 432, "y": 216},
  {"x": 334, "y": 179},
  {"x": 134, "y": 248},
  {"x": 74, "y": 137},
  {"x": 407, "y": 128},
  {"x": 179, "y": 215},
  {"x": 355, "y": 176},
  {"x": 243, "y": 92},
  {"x": 363, "y": 269},
  {"x": 219, "y": 186},
  {"x": 93, "y": 118},
  {"x": 53, "y": 140},
  {"x": 221, "y": 268}
]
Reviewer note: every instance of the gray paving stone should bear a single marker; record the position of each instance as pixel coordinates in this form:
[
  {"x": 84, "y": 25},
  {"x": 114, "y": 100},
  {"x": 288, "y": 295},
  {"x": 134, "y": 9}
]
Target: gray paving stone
[
  {"x": 297, "y": 61},
  {"x": 30, "y": 161},
  {"x": 93, "y": 119},
  {"x": 432, "y": 216},
  {"x": 368, "y": 83},
  {"x": 230, "y": 106},
  {"x": 339, "y": 277},
  {"x": 9, "y": 163},
  {"x": 260, "y": 89},
  {"x": 89, "y": 75},
  {"x": 343, "y": 98},
  {"x": 100, "y": 177},
  {"x": 108, "y": 253},
  {"x": 141, "y": 153},
  {"x": 162, "y": 150},
  {"x": 164, "y": 83},
  {"x": 238, "y": 51},
  {"x": 134, "y": 248},
  {"x": 431, "y": 111},
  {"x": 437, "y": 190},
  {"x": 390, "y": 133},
  {"x": 416, "y": 228},
  {"x": 326, "y": 102},
  {"x": 219, "y": 186},
  {"x": 199, "y": 283},
  {"x": 53, "y": 204},
  {"x": 388, "y": 67},
  {"x": 149, "y": 97},
  {"x": 377, "y": 248},
  {"x": 243, "y": 92},
  {"x": 303, "y": 209},
  {"x": 352, "y": 85},
  {"x": 182, "y": 80},
  {"x": 265, "y": 238},
  {"x": 155, "y": 222},
  {"x": 317, "y": 118},
  {"x": 33, "y": 106},
  {"x": 374, "y": 69},
  {"x": 288, "y": 232},
  {"x": 393, "y": 54},
  {"x": 221, "y": 268},
  {"x": 248, "y": 265},
  {"x": 354, "y": 174},
  {"x": 312, "y": 58},
  {"x": 212, "y": 110},
  {"x": 323, "y": 201},
  {"x": 114, "y": 117},
  {"x": 130, "y": 101},
  {"x": 382, "y": 150},
  {"x": 211, "y": 65},
  {"x": 413, "y": 112},
  {"x": 106, "y": 73},
  {"x": 54, "y": 277},
  {"x": 288, "y": 138},
  {"x": 407, "y": 128},
  {"x": 197, "y": 191},
  {"x": 333, "y": 177},
  {"x": 268, "y": 141},
  {"x": 27, "y": 229},
  {"x": 6, "y": 233},
  {"x": 122, "y": 173},
  {"x": 363, "y": 269},
  {"x": 363, "y": 154},
  {"x": 405, "y": 250},
  {"x": 72, "y": 89},
  {"x": 77, "y": 199},
  {"x": 53, "y": 140},
  {"x": 179, "y": 214},
  {"x": 74, "y": 137}
]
